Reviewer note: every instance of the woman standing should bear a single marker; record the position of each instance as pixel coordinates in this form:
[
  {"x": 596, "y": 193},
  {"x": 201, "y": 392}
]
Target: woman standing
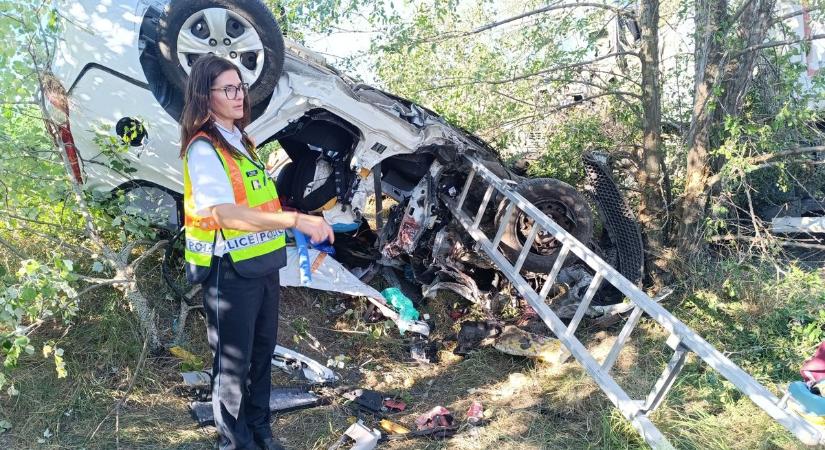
[{"x": 234, "y": 247}]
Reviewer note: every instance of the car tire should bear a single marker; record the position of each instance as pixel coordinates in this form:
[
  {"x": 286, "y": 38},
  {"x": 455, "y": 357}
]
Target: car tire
[
  {"x": 240, "y": 14},
  {"x": 562, "y": 203}
]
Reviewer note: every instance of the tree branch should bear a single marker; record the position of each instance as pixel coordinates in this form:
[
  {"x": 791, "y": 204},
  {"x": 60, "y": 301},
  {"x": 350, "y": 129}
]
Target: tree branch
[
  {"x": 778, "y": 44},
  {"x": 784, "y": 154},
  {"x": 528, "y": 75},
  {"x": 517, "y": 100},
  {"x": 766, "y": 160},
  {"x": 56, "y": 241},
  {"x": 26, "y": 219},
  {"x": 12, "y": 249},
  {"x": 104, "y": 281},
  {"x": 595, "y": 85},
  {"x": 618, "y": 11},
  {"x": 489, "y": 26},
  {"x": 158, "y": 245},
  {"x": 100, "y": 285},
  {"x": 553, "y": 109},
  {"x": 122, "y": 401},
  {"x": 793, "y": 14}
]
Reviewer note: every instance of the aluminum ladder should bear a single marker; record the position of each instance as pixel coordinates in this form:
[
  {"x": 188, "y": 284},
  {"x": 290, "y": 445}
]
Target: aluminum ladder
[{"x": 682, "y": 339}]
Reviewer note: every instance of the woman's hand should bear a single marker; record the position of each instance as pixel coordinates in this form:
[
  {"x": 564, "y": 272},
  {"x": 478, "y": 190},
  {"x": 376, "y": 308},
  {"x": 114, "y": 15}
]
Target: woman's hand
[
  {"x": 315, "y": 227},
  {"x": 237, "y": 217}
]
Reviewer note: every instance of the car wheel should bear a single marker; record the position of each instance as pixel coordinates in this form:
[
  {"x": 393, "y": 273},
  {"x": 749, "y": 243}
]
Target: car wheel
[
  {"x": 242, "y": 31},
  {"x": 559, "y": 201}
]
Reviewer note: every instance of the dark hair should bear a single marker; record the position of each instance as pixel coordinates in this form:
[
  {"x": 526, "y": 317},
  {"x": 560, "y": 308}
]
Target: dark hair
[{"x": 196, "y": 117}]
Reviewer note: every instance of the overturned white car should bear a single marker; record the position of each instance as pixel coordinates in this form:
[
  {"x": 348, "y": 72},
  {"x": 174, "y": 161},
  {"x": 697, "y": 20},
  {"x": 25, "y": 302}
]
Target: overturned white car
[{"x": 120, "y": 68}]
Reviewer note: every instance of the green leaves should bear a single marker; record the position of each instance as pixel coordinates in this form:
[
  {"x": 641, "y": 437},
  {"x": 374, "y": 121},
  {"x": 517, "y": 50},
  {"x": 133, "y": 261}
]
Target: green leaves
[
  {"x": 563, "y": 146},
  {"x": 39, "y": 292}
]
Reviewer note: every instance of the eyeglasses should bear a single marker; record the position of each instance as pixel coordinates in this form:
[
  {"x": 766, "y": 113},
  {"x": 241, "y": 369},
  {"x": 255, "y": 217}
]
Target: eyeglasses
[{"x": 232, "y": 91}]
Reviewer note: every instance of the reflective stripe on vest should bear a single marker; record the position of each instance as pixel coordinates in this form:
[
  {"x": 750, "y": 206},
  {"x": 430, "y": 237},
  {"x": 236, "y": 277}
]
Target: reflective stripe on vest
[
  {"x": 238, "y": 243},
  {"x": 251, "y": 187}
]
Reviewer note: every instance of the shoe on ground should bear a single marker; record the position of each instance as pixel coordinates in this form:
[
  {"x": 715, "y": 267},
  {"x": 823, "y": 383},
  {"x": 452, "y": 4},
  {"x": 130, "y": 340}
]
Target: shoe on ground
[{"x": 270, "y": 444}]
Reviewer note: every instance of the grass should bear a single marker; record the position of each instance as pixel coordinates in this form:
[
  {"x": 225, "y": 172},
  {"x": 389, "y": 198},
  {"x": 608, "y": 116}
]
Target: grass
[{"x": 756, "y": 316}]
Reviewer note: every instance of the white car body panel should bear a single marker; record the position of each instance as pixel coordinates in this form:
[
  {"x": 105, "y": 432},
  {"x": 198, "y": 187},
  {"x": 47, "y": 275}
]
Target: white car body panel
[
  {"x": 103, "y": 33},
  {"x": 99, "y": 100}
]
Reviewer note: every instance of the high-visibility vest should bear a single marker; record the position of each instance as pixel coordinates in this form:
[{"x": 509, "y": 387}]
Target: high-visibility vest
[{"x": 253, "y": 254}]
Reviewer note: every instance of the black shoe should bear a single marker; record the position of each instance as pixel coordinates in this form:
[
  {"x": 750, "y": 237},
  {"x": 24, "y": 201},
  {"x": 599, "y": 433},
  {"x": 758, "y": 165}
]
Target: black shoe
[{"x": 270, "y": 444}]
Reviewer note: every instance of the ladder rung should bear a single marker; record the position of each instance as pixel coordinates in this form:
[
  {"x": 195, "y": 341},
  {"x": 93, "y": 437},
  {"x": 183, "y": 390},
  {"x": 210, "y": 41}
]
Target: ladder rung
[
  {"x": 631, "y": 323},
  {"x": 554, "y": 272},
  {"x": 483, "y": 206},
  {"x": 465, "y": 189},
  {"x": 665, "y": 381},
  {"x": 528, "y": 244},
  {"x": 505, "y": 220},
  {"x": 585, "y": 303}
]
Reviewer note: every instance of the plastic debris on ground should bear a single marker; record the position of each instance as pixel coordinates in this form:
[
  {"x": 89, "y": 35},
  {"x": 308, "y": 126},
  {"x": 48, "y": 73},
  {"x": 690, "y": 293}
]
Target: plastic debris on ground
[
  {"x": 407, "y": 313},
  {"x": 573, "y": 282},
  {"x": 392, "y": 427},
  {"x": 366, "y": 400},
  {"x": 808, "y": 401},
  {"x": 197, "y": 379},
  {"x": 437, "y": 422},
  {"x": 807, "y": 397},
  {"x": 360, "y": 436},
  {"x": 458, "y": 313},
  {"x": 813, "y": 369},
  {"x": 394, "y": 405},
  {"x": 199, "y": 384},
  {"x": 424, "y": 351},
  {"x": 281, "y": 400},
  {"x": 330, "y": 275},
  {"x": 339, "y": 361},
  {"x": 189, "y": 361},
  {"x": 475, "y": 413}
]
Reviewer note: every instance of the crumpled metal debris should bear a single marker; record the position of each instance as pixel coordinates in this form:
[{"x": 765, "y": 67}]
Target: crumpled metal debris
[
  {"x": 416, "y": 219},
  {"x": 447, "y": 255},
  {"x": 291, "y": 361},
  {"x": 572, "y": 283}
]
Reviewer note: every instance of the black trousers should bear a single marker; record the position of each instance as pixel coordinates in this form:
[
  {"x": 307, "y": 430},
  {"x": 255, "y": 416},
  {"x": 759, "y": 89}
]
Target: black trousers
[{"x": 242, "y": 324}]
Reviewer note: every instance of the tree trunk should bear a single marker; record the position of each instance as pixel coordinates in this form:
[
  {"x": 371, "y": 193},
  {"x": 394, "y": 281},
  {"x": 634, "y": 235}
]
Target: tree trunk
[
  {"x": 708, "y": 55},
  {"x": 723, "y": 75},
  {"x": 652, "y": 173}
]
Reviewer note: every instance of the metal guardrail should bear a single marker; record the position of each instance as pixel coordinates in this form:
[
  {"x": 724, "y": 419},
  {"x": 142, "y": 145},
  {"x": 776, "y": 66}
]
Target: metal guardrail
[{"x": 682, "y": 339}]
